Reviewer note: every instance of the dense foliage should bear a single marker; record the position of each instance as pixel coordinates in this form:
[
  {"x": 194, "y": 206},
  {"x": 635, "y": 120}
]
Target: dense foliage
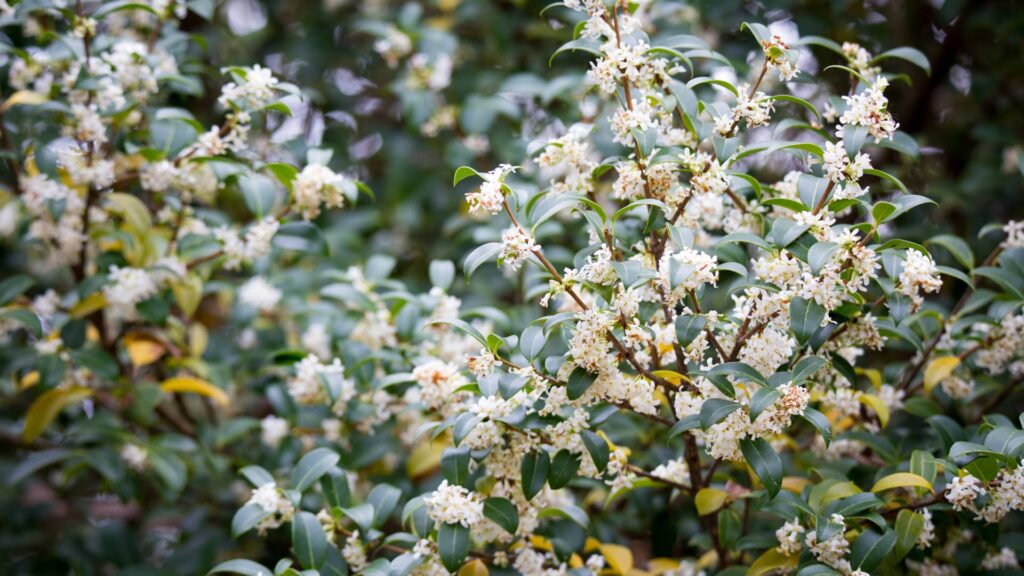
[{"x": 700, "y": 326}]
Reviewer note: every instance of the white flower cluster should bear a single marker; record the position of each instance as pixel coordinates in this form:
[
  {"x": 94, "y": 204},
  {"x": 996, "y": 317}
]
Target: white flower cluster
[
  {"x": 919, "y": 275},
  {"x": 1005, "y": 493},
  {"x": 450, "y": 504},
  {"x": 260, "y": 294},
  {"x": 517, "y": 245},
  {"x": 840, "y": 168},
  {"x": 273, "y": 501},
  {"x": 317, "y": 186},
  {"x": 490, "y": 197},
  {"x": 255, "y": 90},
  {"x": 306, "y": 386},
  {"x": 870, "y": 110}
]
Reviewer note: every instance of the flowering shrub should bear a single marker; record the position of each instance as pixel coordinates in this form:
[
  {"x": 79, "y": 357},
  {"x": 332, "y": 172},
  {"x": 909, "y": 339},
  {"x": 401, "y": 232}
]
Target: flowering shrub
[
  {"x": 132, "y": 231},
  {"x": 726, "y": 359}
]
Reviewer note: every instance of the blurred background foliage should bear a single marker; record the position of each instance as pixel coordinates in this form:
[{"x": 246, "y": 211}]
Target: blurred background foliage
[{"x": 966, "y": 115}]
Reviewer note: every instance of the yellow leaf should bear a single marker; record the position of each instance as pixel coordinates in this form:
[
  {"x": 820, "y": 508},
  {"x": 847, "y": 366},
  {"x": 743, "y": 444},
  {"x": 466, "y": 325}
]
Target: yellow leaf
[
  {"x": 795, "y": 484},
  {"x": 132, "y": 210},
  {"x": 660, "y": 398},
  {"x": 198, "y": 338},
  {"x": 474, "y": 568},
  {"x": 773, "y": 561},
  {"x": 839, "y": 490},
  {"x": 45, "y": 408},
  {"x": 188, "y": 292},
  {"x": 674, "y": 378},
  {"x": 426, "y": 457},
  {"x": 611, "y": 445},
  {"x": 25, "y": 97},
  {"x": 196, "y": 386},
  {"x": 873, "y": 375},
  {"x": 662, "y": 565},
  {"x": 29, "y": 380},
  {"x": 845, "y": 423},
  {"x": 90, "y": 304},
  {"x": 619, "y": 558},
  {"x": 878, "y": 405},
  {"x": 710, "y": 500},
  {"x": 900, "y": 480},
  {"x": 938, "y": 370},
  {"x": 707, "y": 559},
  {"x": 591, "y": 544},
  {"x": 541, "y": 543},
  {"x": 142, "y": 349},
  {"x": 575, "y": 561}
]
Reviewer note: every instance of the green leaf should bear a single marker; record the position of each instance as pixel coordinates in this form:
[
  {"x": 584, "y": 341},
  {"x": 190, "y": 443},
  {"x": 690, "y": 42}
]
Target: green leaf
[
  {"x": 765, "y": 462},
  {"x": 534, "y": 470},
  {"x": 308, "y": 540},
  {"x": 463, "y": 172},
  {"x": 582, "y": 44},
  {"x": 1006, "y": 280},
  {"x": 817, "y": 570},
  {"x": 502, "y": 512},
  {"x": 257, "y": 475},
  {"x": 568, "y": 511},
  {"x": 714, "y": 410},
  {"x": 13, "y": 287},
  {"x": 301, "y": 236},
  {"x": 258, "y": 192},
  {"x": 442, "y": 273},
  {"x": 806, "y": 368},
  {"x": 532, "y": 341},
  {"x": 243, "y": 567},
  {"x": 882, "y": 174},
  {"x": 455, "y": 466},
  {"x": 870, "y": 549},
  {"x": 384, "y": 499},
  {"x": 691, "y": 422},
  {"x": 688, "y": 327},
  {"x": 800, "y": 101},
  {"x": 853, "y": 138},
  {"x": 362, "y": 515},
  {"x": 947, "y": 429},
  {"x": 812, "y": 189},
  {"x": 598, "y": 449},
  {"x": 954, "y": 273},
  {"x": 821, "y": 254},
  {"x": 312, "y": 466},
  {"x": 912, "y": 55},
  {"x": 37, "y": 461},
  {"x": 336, "y": 488},
  {"x": 805, "y": 318},
  {"x": 452, "y": 545},
  {"x": 579, "y": 382},
  {"x": 464, "y": 424},
  {"x": 480, "y": 255},
  {"x": 909, "y": 525},
  {"x": 563, "y": 469},
  {"x": 820, "y": 422},
  {"x": 26, "y": 318},
  {"x": 737, "y": 370},
  {"x": 882, "y": 211},
  {"x": 763, "y": 398},
  {"x": 246, "y": 518},
  {"x": 956, "y": 246},
  {"x": 465, "y": 328}
]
